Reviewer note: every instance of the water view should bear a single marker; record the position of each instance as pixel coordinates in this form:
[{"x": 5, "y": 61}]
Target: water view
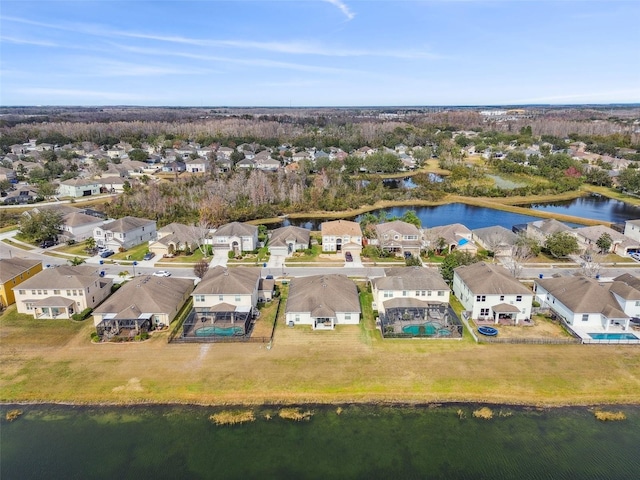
[
  {"x": 600, "y": 208},
  {"x": 592, "y": 206},
  {"x": 354, "y": 442}
]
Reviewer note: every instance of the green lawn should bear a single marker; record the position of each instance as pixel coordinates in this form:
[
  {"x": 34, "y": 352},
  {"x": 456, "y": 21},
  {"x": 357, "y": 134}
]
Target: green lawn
[
  {"x": 181, "y": 258},
  {"x": 134, "y": 253},
  {"x": 8, "y": 241},
  {"x": 78, "y": 249}
]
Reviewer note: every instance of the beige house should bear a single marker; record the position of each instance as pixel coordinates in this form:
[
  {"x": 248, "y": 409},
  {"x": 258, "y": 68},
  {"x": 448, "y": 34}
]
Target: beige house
[
  {"x": 451, "y": 237},
  {"x": 286, "y": 240},
  {"x": 235, "y": 236},
  {"x": 341, "y": 236},
  {"x": 61, "y": 291},
  {"x": 173, "y": 238},
  {"x": 144, "y": 303},
  {"x": 323, "y": 301},
  {"x": 499, "y": 240},
  {"x": 399, "y": 237}
]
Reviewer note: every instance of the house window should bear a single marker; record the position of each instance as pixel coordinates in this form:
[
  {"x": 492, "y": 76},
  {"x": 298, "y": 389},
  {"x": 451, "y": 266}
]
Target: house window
[
  {"x": 237, "y": 298},
  {"x": 484, "y": 312},
  {"x": 518, "y": 298},
  {"x": 69, "y": 293},
  {"x": 404, "y": 293},
  {"x": 39, "y": 292},
  {"x": 199, "y": 298},
  {"x": 481, "y": 298},
  {"x": 585, "y": 317},
  {"x": 347, "y": 316},
  {"x": 441, "y": 293},
  {"x": 221, "y": 297},
  {"x": 388, "y": 294},
  {"x": 29, "y": 306},
  {"x": 22, "y": 292},
  {"x": 501, "y": 298},
  {"x": 56, "y": 292},
  {"x": 429, "y": 293},
  {"x": 297, "y": 318},
  {"x": 75, "y": 293},
  {"x": 637, "y": 303}
]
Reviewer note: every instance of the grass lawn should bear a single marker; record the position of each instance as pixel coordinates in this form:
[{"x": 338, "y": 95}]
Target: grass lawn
[
  {"x": 193, "y": 258},
  {"x": 78, "y": 249},
  {"x": 134, "y": 253},
  {"x": 8, "y": 241}
]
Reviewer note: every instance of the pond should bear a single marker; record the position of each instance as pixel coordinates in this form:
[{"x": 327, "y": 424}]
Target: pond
[
  {"x": 596, "y": 207},
  {"x": 592, "y": 206},
  {"x": 355, "y": 442}
]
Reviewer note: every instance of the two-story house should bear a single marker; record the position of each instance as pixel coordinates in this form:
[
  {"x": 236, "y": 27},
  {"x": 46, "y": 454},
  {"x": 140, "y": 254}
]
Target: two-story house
[
  {"x": 124, "y": 233},
  {"x": 61, "y": 291},
  {"x": 14, "y": 271},
  {"x": 490, "y": 292},
  {"x": 226, "y": 298},
  {"x": 235, "y": 236},
  {"x": 78, "y": 187},
  {"x": 341, "y": 236},
  {"x": 399, "y": 237}
]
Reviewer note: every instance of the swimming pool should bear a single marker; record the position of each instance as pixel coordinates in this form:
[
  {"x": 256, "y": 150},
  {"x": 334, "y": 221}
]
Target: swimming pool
[
  {"x": 429, "y": 329},
  {"x": 613, "y": 336},
  {"x": 221, "y": 332}
]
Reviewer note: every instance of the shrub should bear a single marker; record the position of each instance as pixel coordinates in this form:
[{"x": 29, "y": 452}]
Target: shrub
[
  {"x": 82, "y": 315},
  {"x": 233, "y": 417},
  {"x": 294, "y": 414},
  {"x": 535, "y": 304},
  {"x": 231, "y": 254},
  {"x": 605, "y": 416},
  {"x": 95, "y": 337},
  {"x": 485, "y": 413}
]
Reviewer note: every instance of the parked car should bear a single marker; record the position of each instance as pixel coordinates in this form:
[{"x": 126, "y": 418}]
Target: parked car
[
  {"x": 107, "y": 253},
  {"x": 148, "y": 256},
  {"x": 269, "y": 277},
  {"x": 161, "y": 273},
  {"x": 348, "y": 257},
  {"x": 47, "y": 244}
]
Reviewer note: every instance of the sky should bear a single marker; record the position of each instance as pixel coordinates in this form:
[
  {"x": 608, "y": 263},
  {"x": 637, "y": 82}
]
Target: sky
[{"x": 319, "y": 52}]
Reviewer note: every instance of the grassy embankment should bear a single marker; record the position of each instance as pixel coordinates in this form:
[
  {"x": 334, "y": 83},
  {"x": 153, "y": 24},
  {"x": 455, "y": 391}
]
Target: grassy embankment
[{"x": 54, "y": 361}]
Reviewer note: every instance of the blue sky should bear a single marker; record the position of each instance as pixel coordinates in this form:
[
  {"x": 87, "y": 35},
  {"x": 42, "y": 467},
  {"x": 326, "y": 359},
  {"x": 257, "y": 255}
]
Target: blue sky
[{"x": 318, "y": 52}]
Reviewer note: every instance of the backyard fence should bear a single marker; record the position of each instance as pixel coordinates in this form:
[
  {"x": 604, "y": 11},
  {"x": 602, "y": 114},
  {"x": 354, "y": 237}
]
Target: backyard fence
[{"x": 531, "y": 341}]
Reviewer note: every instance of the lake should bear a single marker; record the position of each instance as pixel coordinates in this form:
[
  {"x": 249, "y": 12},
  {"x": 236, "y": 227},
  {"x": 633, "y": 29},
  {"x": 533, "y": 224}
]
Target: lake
[
  {"x": 360, "y": 442},
  {"x": 596, "y": 207}
]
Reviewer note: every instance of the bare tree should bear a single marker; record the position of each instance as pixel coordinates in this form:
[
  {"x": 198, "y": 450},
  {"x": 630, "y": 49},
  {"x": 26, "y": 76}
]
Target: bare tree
[
  {"x": 201, "y": 268},
  {"x": 199, "y": 233}
]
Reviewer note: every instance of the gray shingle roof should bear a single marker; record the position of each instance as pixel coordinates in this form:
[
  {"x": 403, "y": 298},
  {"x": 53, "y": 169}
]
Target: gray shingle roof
[
  {"x": 495, "y": 236},
  {"x": 411, "y": 278},
  {"x": 236, "y": 229},
  {"x": 323, "y": 294},
  {"x": 126, "y": 224},
  {"x": 583, "y": 295},
  {"x": 280, "y": 236},
  {"x": 147, "y": 294},
  {"x": 626, "y": 286},
  {"x": 63, "y": 276},
  {"x": 487, "y": 279},
  {"x": 228, "y": 281},
  {"x": 403, "y": 228},
  {"x": 12, "y": 267}
]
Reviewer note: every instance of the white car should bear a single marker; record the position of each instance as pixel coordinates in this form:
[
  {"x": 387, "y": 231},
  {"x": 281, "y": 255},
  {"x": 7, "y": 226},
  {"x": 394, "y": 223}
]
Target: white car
[{"x": 161, "y": 273}]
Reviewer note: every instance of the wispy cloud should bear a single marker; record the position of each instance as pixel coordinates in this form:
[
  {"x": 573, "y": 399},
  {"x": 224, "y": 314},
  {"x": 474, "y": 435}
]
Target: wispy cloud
[
  {"x": 343, "y": 7},
  {"x": 27, "y": 41}
]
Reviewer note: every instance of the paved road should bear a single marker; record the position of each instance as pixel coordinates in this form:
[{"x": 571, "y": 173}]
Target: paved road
[{"x": 529, "y": 272}]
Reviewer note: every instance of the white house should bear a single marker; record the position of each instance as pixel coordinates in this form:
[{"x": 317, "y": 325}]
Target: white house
[
  {"x": 489, "y": 292},
  {"x": 124, "y": 233},
  {"x": 341, "y": 235},
  {"x": 79, "y": 226},
  {"x": 626, "y": 290},
  {"x": 78, "y": 187},
  {"x": 409, "y": 283},
  {"x": 197, "y": 165},
  {"x": 632, "y": 229},
  {"x": 235, "y": 236},
  {"x": 583, "y": 303},
  {"x": 323, "y": 301},
  {"x": 62, "y": 291}
]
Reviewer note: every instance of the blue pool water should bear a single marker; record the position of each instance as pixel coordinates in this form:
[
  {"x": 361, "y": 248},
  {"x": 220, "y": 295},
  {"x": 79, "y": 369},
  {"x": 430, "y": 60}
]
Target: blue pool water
[
  {"x": 613, "y": 336},
  {"x": 429, "y": 329},
  {"x": 223, "y": 332}
]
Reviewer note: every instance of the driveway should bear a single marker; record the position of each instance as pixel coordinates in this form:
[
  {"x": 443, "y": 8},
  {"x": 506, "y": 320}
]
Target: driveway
[
  {"x": 276, "y": 261},
  {"x": 220, "y": 258}
]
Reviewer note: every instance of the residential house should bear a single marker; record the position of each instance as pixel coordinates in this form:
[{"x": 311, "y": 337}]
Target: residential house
[
  {"x": 235, "y": 236},
  {"x": 78, "y": 187},
  {"x": 452, "y": 237},
  {"x": 541, "y": 229},
  {"x": 286, "y": 240},
  {"x": 301, "y": 155},
  {"x": 124, "y": 233},
  {"x": 144, "y": 303},
  {"x": 341, "y": 236},
  {"x": 626, "y": 290},
  {"x": 176, "y": 166},
  {"x": 322, "y": 301},
  {"x": 225, "y": 151},
  {"x": 266, "y": 289},
  {"x": 197, "y": 165},
  {"x": 588, "y": 239},
  {"x": 399, "y": 237},
  {"x": 632, "y": 229},
  {"x": 490, "y": 292},
  {"x": 246, "y": 164},
  {"x": 61, "y": 291},
  {"x": 584, "y": 304},
  {"x": 21, "y": 195},
  {"x": 227, "y": 298},
  {"x": 499, "y": 240},
  {"x": 409, "y": 287},
  {"x": 14, "y": 271},
  {"x": 173, "y": 238},
  {"x": 78, "y": 226},
  {"x": 8, "y": 175}
]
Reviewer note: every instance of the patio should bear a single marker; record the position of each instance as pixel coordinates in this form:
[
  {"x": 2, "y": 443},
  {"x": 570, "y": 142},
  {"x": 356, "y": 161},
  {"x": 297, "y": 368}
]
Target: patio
[{"x": 407, "y": 318}]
